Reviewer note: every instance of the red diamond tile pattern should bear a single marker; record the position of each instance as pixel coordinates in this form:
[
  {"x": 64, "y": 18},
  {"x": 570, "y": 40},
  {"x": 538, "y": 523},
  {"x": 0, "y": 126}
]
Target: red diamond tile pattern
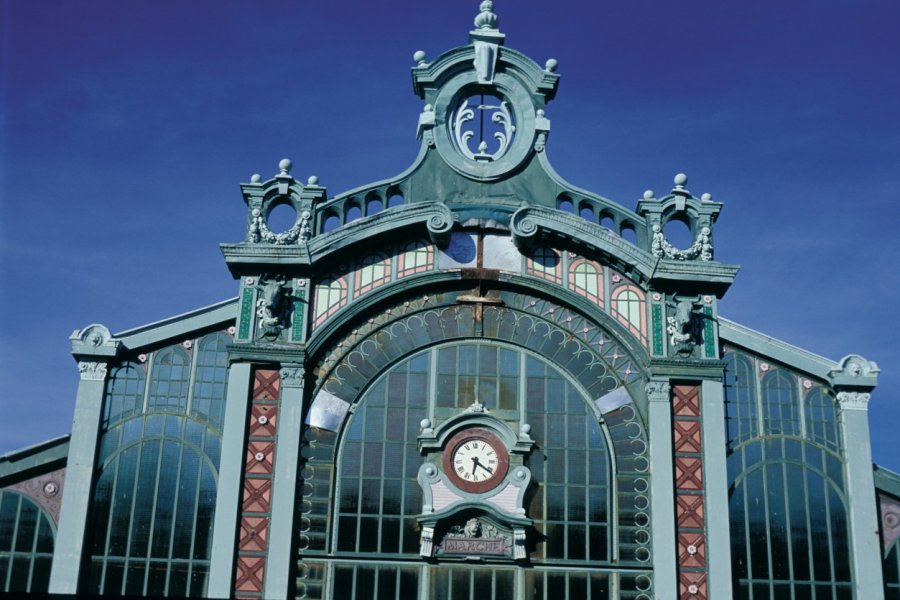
[
  {"x": 258, "y": 471},
  {"x": 687, "y": 436}
]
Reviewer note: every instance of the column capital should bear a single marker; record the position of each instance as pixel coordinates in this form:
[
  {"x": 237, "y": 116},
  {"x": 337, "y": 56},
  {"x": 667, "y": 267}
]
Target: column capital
[
  {"x": 92, "y": 370},
  {"x": 658, "y": 390},
  {"x": 292, "y": 375},
  {"x": 854, "y": 400}
]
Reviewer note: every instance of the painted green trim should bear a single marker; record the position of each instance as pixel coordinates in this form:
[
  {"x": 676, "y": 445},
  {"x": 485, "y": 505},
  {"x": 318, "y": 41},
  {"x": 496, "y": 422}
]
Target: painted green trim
[
  {"x": 718, "y": 540},
  {"x": 862, "y": 510},
  {"x": 764, "y": 345},
  {"x": 658, "y": 335},
  {"x": 280, "y": 560},
  {"x": 246, "y": 316},
  {"x": 709, "y": 333},
  {"x": 73, "y": 515},
  {"x": 299, "y": 315},
  {"x": 19, "y": 462},
  {"x": 887, "y": 481},
  {"x": 179, "y": 326},
  {"x": 228, "y": 499},
  {"x": 662, "y": 482}
]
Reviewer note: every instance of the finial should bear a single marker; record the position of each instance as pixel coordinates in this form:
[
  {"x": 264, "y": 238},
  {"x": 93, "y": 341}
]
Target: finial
[
  {"x": 486, "y": 19},
  {"x": 680, "y": 180},
  {"x": 285, "y": 165},
  {"x": 255, "y": 178},
  {"x": 550, "y": 65},
  {"x": 648, "y": 195},
  {"x": 313, "y": 180},
  {"x": 419, "y": 57},
  {"x": 706, "y": 197}
]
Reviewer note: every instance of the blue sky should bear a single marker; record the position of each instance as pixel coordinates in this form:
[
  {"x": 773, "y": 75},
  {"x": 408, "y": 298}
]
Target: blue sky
[{"x": 125, "y": 128}]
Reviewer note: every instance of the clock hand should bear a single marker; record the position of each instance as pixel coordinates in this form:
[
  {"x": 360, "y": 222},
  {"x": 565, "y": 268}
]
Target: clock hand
[{"x": 478, "y": 464}]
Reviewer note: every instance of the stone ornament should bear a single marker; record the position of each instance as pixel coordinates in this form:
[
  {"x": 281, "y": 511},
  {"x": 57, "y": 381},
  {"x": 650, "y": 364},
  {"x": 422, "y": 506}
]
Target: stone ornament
[
  {"x": 853, "y": 400},
  {"x": 701, "y": 249},
  {"x": 92, "y": 371}
]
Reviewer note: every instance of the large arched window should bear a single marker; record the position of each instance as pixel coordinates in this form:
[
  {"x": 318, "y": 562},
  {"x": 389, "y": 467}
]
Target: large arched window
[
  {"x": 154, "y": 498},
  {"x": 26, "y": 544},
  {"x": 781, "y": 413},
  {"x": 378, "y": 497},
  {"x": 789, "y": 531},
  {"x": 789, "y": 527}
]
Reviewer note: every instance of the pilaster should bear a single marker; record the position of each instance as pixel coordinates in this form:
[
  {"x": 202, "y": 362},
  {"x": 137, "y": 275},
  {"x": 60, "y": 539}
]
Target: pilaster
[
  {"x": 284, "y": 484},
  {"x": 718, "y": 537},
  {"x": 228, "y": 499},
  {"x": 70, "y": 535},
  {"x": 862, "y": 511},
  {"x": 662, "y": 495}
]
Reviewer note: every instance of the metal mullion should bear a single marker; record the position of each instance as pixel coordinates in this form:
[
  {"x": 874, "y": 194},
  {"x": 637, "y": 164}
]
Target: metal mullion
[
  {"x": 432, "y": 382},
  {"x": 34, "y": 539},
  {"x": 825, "y": 489},
  {"x": 192, "y": 374},
  {"x": 174, "y": 515},
  {"x": 153, "y": 513},
  {"x": 760, "y": 405},
  {"x": 194, "y": 523},
  {"x": 12, "y": 548},
  {"x": 747, "y": 536},
  {"x": 787, "y": 518},
  {"x": 806, "y": 512},
  {"x": 148, "y": 378}
]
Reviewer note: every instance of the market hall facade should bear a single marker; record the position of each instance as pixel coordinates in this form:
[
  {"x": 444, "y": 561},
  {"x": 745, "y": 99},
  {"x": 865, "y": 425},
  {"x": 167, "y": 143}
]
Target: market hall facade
[{"x": 470, "y": 380}]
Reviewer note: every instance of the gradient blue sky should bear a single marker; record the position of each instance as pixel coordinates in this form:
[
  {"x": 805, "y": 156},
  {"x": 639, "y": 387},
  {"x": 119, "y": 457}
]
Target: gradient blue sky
[{"x": 126, "y": 126}]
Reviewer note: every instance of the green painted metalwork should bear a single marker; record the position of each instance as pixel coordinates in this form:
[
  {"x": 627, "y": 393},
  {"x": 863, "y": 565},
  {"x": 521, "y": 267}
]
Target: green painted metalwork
[
  {"x": 658, "y": 330},
  {"x": 709, "y": 332},
  {"x": 246, "y": 317},
  {"x": 299, "y": 315},
  {"x": 26, "y": 544}
]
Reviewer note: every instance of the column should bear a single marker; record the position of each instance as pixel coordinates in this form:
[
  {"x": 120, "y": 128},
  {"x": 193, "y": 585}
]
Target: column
[
  {"x": 862, "y": 511},
  {"x": 73, "y": 515},
  {"x": 228, "y": 498},
  {"x": 718, "y": 537},
  {"x": 284, "y": 485},
  {"x": 662, "y": 497}
]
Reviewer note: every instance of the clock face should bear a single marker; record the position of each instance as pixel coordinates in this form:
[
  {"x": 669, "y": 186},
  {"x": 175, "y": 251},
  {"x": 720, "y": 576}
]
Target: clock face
[{"x": 475, "y": 460}]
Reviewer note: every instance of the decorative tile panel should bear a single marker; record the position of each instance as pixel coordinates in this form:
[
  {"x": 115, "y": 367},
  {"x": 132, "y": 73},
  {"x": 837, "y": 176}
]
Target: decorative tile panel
[
  {"x": 259, "y": 457},
  {"x": 690, "y": 512}
]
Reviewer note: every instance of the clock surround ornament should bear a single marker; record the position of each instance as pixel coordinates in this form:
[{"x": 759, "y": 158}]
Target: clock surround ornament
[{"x": 474, "y": 474}]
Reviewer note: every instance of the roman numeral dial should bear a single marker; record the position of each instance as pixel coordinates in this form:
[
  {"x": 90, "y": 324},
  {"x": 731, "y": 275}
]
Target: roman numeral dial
[{"x": 476, "y": 460}]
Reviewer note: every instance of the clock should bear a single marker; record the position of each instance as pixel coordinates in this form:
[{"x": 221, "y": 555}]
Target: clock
[{"x": 475, "y": 460}]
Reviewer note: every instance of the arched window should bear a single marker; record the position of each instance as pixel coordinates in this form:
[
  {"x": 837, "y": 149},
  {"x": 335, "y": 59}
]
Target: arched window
[
  {"x": 155, "y": 493},
  {"x": 417, "y": 257},
  {"x": 124, "y": 393},
  {"x": 169, "y": 380},
  {"x": 586, "y": 278},
  {"x": 26, "y": 544},
  {"x": 781, "y": 413},
  {"x": 789, "y": 530},
  {"x": 822, "y": 423},
  {"x": 371, "y": 272},
  {"x": 378, "y": 497},
  {"x": 152, "y": 516},
  {"x": 331, "y": 296},
  {"x": 211, "y": 379},
  {"x": 628, "y": 306},
  {"x": 546, "y": 263},
  {"x": 741, "y": 422}
]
